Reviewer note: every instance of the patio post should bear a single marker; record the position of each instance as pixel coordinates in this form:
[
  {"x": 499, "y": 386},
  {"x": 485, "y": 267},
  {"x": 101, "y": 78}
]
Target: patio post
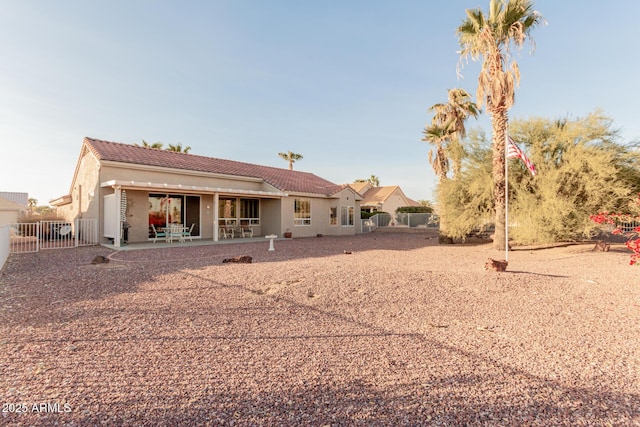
[
  {"x": 118, "y": 232},
  {"x": 216, "y": 226}
]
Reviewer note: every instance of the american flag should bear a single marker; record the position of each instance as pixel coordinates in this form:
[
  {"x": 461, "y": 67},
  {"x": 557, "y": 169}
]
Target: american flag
[{"x": 513, "y": 151}]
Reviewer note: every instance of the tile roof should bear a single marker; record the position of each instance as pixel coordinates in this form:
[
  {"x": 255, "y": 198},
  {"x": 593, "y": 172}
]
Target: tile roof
[
  {"x": 360, "y": 186},
  {"x": 282, "y": 179},
  {"x": 378, "y": 194},
  {"x": 19, "y": 198}
]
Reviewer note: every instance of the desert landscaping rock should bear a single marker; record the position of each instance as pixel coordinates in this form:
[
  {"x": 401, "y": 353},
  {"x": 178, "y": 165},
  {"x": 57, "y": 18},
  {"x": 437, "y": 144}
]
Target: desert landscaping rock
[{"x": 400, "y": 332}]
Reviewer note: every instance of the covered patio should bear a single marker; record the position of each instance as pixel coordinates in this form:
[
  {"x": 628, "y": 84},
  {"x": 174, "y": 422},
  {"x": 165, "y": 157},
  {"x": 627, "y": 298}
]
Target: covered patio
[{"x": 139, "y": 213}]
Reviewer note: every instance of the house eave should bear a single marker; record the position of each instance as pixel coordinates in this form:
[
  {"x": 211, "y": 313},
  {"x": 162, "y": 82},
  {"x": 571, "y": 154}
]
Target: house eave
[
  {"x": 61, "y": 201},
  {"x": 191, "y": 189},
  {"x": 187, "y": 172}
]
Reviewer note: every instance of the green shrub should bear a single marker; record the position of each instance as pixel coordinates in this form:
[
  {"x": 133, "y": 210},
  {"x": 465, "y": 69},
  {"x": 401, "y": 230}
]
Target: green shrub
[
  {"x": 414, "y": 209},
  {"x": 582, "y": 169}
]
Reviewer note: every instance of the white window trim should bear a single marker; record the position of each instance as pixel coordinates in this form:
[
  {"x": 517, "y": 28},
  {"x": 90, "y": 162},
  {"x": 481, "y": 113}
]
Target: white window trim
[
  {"x": 251, "y": 221},
  {"x": 336, "y": 218},
  {"x": 301, "y": 222},
  {"x": 353, "y": 216}
]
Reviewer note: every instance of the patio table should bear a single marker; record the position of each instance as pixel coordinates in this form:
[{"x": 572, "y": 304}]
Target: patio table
[{"x": 174, "y": 231}]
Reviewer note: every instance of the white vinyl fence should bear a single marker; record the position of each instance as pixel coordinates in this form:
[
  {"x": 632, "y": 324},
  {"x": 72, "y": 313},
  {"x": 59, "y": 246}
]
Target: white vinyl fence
[
  {"x": 405, "y": 220},
  {"x": 416, "y": 219},
  {"x": 33, "y": 237}
]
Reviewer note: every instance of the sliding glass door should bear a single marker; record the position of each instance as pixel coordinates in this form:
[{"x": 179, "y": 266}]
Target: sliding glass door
[{"x": 165, "y": 209}]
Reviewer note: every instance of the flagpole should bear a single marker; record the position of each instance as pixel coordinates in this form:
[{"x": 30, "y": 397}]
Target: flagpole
[{"x": 506, "y": 196}]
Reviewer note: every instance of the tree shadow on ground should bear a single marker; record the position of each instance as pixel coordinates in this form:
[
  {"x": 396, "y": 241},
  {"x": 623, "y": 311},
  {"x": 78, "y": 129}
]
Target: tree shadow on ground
[
  {"x": 483, "y": 391},
  {"x": 442, "y": 401}
]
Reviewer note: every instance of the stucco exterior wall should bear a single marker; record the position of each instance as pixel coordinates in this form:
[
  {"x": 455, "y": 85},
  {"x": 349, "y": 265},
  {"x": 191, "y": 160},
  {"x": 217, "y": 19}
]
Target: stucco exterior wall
[
  {"x": 137, "y": 214},
  {"x": 394, "y": 202},
  {"x": 85, "y": 192},
  {"x": 321, "y": 216},
  {"x": 271, "y": 217},
  {"x": 8, "y": 217},
  {"x": 207, "y": 216}
]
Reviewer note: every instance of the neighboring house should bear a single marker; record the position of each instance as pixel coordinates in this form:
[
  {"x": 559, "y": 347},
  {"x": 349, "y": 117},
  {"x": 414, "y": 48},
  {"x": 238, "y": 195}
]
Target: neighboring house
[
  {"x": 382, "y": 199},
  {"x": 118, "y": 183},
  {"x": 19, "y": 198},
  {"x": 11, "y": 207}
]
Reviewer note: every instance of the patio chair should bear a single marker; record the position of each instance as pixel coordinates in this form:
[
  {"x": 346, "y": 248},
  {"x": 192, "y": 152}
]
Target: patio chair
[
  {"x": 186, "y": 234},
  {"x": 176, "y": 232},
  {"x": 222, "y": 231},
  {"x": 246, "y": 231},
  {"x": 157, "y": 233}
]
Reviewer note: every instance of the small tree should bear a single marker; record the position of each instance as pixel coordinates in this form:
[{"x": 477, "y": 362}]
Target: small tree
[{"x": 582, "y": 170}]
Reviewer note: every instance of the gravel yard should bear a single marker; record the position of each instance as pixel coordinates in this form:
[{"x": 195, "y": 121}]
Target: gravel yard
[{"x": 401, "y": 331}]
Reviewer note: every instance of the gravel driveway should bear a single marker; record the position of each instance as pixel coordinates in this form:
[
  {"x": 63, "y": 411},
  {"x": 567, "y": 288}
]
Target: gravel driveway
[{"x": 397, "y": 331}]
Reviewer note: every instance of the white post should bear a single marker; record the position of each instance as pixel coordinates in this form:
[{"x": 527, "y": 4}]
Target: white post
[
  {"x": 118, "y": 234},
  {"x": 216, "y": 226}
]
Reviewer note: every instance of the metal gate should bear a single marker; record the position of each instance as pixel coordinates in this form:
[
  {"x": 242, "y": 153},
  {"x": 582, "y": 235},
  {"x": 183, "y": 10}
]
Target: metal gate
[{"x": 35, "y": 236}]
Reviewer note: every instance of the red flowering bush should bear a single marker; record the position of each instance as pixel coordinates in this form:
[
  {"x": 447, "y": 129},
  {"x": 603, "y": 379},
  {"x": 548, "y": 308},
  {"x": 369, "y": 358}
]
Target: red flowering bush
[{"x": 626, "y": 225}]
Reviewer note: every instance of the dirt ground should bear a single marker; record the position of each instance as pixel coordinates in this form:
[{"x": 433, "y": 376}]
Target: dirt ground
[{"x": 376, "y": 329}]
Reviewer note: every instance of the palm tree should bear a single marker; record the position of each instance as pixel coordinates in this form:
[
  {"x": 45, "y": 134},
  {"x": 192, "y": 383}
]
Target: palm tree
[
  {"x": 373, "y": 180},
  {"x": 451, "y": 118},
  {"x": 147, "y": 145},
  {"x": 437, "y": 135},
  {"x": 178, "y": 148},
  {"x": 490, "y": 37},
  {"x": 291, "y": 157}
]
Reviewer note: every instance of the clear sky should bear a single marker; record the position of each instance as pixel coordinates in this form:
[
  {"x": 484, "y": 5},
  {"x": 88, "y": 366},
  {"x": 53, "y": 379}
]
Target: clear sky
[{"x": 345, "y": 83}]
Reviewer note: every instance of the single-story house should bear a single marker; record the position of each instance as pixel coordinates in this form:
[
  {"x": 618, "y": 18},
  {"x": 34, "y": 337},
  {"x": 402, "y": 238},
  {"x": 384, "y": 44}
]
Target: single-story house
[
  {"x": 382, "y": 199},
  {"x": 133, "y": 190},
  {"x": 11, "y": 207}
]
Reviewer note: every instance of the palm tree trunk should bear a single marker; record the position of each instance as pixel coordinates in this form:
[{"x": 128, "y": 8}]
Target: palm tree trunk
[
  {"x": 442, "y": 177},
  {"x": 499, "y": 123}
]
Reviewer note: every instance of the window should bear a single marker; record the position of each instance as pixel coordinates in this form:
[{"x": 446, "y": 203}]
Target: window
[
  {"x": 250, "y": 211},
  {"x": 227, "y": 208},
  {"x": 227, "y": 212},
  {"x": 302, "y": 212},
  {"x": 346, "y": 216},
  {"x": 333, "y": 215}
]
